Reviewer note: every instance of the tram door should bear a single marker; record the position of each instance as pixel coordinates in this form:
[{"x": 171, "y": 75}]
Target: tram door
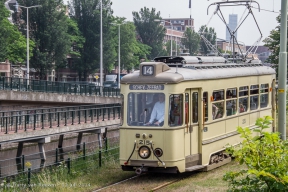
[{"x": 191, "y": 121}]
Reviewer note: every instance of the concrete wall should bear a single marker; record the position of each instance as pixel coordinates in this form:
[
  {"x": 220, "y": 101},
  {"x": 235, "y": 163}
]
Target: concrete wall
[{"x": 38, "y": 98}]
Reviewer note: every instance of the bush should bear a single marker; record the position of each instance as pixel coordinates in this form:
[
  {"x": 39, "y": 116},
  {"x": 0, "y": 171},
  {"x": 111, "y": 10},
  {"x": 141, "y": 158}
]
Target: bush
[{"x": 265, "y": 156}]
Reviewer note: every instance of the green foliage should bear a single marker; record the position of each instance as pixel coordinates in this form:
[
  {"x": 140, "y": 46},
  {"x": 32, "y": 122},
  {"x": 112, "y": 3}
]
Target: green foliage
[
  {"x": 273, "y": 42},
  {"x": 131, "y": 50},
  {"x": 191, "y": 41},
  {"x": 87, "y": 15},
  {"x": 76, "y": 38},
  {"x": 12, "y": 42},
  {"x": 149, "y": 30},
  {"x": 48, "y": 27},
  {"x": 265, "y": 156}
]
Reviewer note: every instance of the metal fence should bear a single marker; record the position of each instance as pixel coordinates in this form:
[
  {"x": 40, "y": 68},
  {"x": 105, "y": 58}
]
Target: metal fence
[
  {"x": 77, "y": 88},
  {"x": 13, "y": 121},
  {"x": 24, "y": 169}
]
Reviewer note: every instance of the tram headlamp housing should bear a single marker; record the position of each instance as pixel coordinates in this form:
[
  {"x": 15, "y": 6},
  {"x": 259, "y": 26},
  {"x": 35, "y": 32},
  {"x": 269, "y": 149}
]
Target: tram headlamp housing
[
  {"x": 144, "y": 152},
  {"x": 158, "y": 152}
]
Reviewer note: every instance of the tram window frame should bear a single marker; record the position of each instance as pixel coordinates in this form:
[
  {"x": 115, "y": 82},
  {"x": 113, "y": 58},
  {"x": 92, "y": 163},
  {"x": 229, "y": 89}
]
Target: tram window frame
[
  {"x": 187, "y": 107},
  {"x": 218, "y": 104},
  {"x": 195, "y": 107},
  {"x": 254, "y": 97},
  {"x": 264, "y": 95},
  {"x": 231, "y": 93},
  {"x": 122, "y": 109},
  {"x": 231, "y": 101},
  {"x": 205, "y": 103},
  {"x": 243, "y": 91},
  {"x": 140, "y": 106},
  {"x": 243, "y": 99},
  {"x": 175, "y": 110}
]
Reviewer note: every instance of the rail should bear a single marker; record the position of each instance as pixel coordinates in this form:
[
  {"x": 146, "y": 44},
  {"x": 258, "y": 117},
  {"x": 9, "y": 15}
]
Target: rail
[
  {"x": 49, "y": 118},
  {"x": 77, "y": 88}
]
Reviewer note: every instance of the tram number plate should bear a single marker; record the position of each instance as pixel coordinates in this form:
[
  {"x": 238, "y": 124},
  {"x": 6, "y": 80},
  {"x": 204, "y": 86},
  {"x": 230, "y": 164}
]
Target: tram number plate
[
  {"x": 144, "y": 142},
  {"x": 148, "y": 70},
  {"x": 243, "y": 121}
]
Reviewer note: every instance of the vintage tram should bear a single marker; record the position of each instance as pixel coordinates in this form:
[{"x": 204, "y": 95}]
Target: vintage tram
[{"x": 179, "y": 113}]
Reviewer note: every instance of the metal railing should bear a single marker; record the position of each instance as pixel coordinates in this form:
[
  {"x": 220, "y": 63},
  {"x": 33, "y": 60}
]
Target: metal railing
[
  {"x": 54, "y": 157},
  {"x": 55, "y": 117},
  {"x": 20, "y": 84}
]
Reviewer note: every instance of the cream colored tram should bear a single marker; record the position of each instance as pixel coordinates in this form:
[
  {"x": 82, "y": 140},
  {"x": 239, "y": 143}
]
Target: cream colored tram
[{"x": 206, "y": 99}]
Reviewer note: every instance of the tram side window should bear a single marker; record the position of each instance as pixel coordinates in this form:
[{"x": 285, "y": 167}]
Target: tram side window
[
  {"x": 264, "y": 90},
  {"x": 218, "y": 104},
  {"x": 231, "y": 103},
  {"x": 195, "y": 107},
  {"x": 205, "y": 102},
  {"x": 243, "y": 99},
  {"x": 176, "y": 110},
  {"x": 254, "y": 97}
]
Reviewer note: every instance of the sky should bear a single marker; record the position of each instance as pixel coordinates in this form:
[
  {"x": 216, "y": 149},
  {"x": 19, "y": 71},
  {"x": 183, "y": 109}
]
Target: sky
[{"x": 248, "y": 32}]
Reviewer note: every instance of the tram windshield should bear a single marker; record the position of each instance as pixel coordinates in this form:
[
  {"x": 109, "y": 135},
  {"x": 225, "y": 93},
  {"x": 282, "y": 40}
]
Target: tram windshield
[{"x": 146, "y": 109}]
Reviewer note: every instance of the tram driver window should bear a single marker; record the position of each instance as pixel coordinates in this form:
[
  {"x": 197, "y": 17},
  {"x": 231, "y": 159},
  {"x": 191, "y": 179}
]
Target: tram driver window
[
  {"x": 218, "y": 104},
  {"x": 142, "y": 107},
  {"x": 175, "y": 110}
]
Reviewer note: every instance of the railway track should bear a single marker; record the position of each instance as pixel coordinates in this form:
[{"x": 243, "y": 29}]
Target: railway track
[{"x": 145, "y": 182}]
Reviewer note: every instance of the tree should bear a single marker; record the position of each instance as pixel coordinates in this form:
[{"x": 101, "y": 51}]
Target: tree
[
  {"x": 210, "y": 35},
  {"x": 87, "y": 15},
  {"x": 265, "y": 156},
  {"x": 48, "y": 26},
  {"x": 12, "y": 42},
  {"x": 191, "y": 41},
  {"x": 273, "y": 43},
  {"x": 149, "y": 31},
  {"x": 76, "y": 38},
  {"x": 131, "y": 50}
]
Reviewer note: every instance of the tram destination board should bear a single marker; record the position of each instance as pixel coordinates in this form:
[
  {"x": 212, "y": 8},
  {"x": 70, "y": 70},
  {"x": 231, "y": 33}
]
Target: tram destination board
[{"x": 146, "y": 87}]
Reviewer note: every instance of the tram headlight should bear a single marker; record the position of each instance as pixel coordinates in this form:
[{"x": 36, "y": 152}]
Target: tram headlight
[
  {"x": 158, "y": 152},
  {"x": 144, "y": 152}
]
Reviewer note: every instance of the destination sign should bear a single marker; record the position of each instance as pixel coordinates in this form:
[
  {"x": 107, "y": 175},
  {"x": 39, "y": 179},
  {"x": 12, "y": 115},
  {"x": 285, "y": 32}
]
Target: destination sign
[{"x": 146, "y": 87}]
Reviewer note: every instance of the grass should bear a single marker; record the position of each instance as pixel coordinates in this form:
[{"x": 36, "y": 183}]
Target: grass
[{"x": 85, "y": 175}]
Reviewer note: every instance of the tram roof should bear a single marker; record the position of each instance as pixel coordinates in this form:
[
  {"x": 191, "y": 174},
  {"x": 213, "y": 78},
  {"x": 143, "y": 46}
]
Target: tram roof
[{"x": 197, "y": 72}]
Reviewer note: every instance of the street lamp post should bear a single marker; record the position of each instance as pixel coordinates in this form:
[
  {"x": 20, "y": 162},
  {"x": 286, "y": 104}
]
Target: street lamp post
[
  {"x": 118, "y": 52},
  {"x": 119, "y": 56},
  {"x": 27, "y": 75},
  {"x": 101, "y": 47},
  {"x": 171, "y": 31},
  {"x": 171, "y": 36}
]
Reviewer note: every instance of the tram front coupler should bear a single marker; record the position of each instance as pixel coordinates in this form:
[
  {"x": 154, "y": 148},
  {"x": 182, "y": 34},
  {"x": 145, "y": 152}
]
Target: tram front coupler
[{"x": 141, "y": 170}]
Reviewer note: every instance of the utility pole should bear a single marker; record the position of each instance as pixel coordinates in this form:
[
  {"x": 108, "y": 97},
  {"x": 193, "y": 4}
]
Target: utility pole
[{"x": 282, "y": 71}]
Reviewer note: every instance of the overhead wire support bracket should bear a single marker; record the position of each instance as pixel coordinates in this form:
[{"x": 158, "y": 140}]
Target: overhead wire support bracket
[{"x": 247, "y": 4}]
